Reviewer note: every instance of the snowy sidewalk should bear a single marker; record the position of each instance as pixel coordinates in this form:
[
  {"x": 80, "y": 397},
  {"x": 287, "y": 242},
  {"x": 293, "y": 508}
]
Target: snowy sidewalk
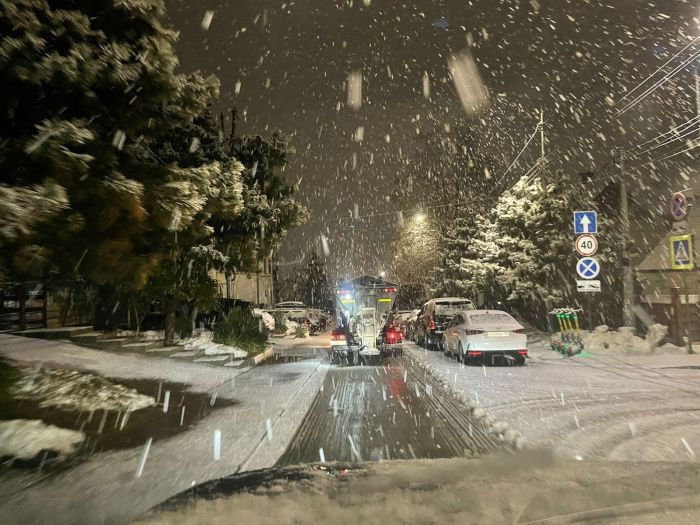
[
  {"x": 604, "y": 407},
  {"x": 202, "y": 378},
  {"x": 270, "y": 403}
]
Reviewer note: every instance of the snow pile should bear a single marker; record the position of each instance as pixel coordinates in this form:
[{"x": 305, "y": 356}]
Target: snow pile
[
  {"x": 291, "y": 326},
  {"x": 267, "y": 319},
  {"x": 202, "y": 341},
  {"x": 26, "y": 438},
  {"x": 621, "y": 342},
  {"x": 153, "y": 335},
  {"x": 655, "y": 335},
  {"x": 78, "y": 391}
]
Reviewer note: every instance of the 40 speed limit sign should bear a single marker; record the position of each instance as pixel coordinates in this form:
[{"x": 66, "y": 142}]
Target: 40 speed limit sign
[{"x": 586, "y": 245}]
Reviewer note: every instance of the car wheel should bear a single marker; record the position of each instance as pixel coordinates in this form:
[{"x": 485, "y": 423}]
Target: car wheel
[
  {"x": 445, "y": 349},
  {"x": 460, "y": 354},
  {"x": 520, "y": 360}
]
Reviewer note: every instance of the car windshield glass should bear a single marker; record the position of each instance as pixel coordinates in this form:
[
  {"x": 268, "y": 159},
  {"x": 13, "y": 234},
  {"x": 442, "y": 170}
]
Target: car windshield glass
[{"x": 253, "y": 246}]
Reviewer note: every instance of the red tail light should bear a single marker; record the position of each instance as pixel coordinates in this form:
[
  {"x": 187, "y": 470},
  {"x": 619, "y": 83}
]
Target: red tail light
[
  {"x": 474, "y": 353},
  {"x": 337, "y": 335},
  {"x": 432, "y": 325},
  {"x": 522, "y": 352}
]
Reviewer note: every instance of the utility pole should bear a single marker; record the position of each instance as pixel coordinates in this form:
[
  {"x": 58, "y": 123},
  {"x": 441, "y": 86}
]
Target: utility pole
[
  {"x": 541, "y": 133},
  {"x": 627, "y": 282}
]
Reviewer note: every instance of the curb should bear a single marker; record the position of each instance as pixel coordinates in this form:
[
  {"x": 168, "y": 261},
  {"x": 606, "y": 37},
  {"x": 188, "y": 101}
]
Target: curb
[{"x": 259, "y": 358}]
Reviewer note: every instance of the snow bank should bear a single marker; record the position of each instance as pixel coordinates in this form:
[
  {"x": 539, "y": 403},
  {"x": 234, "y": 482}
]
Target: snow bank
[
  {"x": 267, "y": 319},
  {"x": 202, "y": 341},
  {"x": 26, "y": 438},
  {"x": 623, "y": 341},
  {"x": 152, "y": 335},
  {"x": 291, "y": 326},
  {"x": 511, "y": 437},
  {"x": 78, "y": 391}
]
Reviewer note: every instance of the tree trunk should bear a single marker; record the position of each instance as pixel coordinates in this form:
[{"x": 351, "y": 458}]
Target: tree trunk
[
  {"x": 169, "y": 309},
  {"x": 193, "y": 317}
]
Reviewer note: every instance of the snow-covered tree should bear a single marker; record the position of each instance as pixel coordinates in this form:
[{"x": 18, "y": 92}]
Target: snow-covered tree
[
  {"x": 89, "y": 87},
  {"x": 416, "y": 253}
]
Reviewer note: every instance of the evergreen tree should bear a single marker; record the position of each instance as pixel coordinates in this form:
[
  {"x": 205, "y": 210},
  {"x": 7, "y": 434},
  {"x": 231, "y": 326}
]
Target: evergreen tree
[
  {"x": 450, "y": 277},
  {"x": 89, "y": 87},
  {"x": 269, "y": 204}
]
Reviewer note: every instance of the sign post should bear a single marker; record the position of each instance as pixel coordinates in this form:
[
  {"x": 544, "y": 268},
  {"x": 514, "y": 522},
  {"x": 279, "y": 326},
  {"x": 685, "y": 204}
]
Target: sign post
[
  {"x": 682, "y": 254},
  {"x": 587, "y": 268}
]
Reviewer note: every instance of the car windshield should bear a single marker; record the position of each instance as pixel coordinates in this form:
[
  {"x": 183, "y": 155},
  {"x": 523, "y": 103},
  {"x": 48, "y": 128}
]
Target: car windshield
[{"x": 352, "y": 260}]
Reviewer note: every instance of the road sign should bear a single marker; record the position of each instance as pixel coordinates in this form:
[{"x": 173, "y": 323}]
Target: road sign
[
  {"x": 679, "y": 206},
  {"x": 681, "y": 252},
  {"x": 585, "y": 222},
  {"x": 588, "y": 286},
  {"x": 588, "y": 268},
  {"x": 586, "y": 245}
]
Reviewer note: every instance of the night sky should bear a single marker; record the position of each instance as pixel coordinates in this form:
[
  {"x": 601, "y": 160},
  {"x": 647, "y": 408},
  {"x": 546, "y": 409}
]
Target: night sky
[{"x": 284, "y": 65}]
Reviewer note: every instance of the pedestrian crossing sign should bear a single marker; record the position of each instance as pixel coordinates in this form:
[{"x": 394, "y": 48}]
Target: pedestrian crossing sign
[{"x": 681, "y": 252}]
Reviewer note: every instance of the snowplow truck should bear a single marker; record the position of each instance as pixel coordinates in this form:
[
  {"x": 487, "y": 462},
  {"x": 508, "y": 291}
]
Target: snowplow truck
[{"x": 363, "y": 334}]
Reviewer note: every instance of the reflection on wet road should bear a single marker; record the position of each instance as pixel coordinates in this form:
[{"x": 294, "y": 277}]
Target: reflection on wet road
[{"x": 385, "y": 412}]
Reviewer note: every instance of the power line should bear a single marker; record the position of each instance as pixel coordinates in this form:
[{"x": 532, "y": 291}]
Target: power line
[
  {"x": 688, "y": 130},
  {"x": 680, "y": 127},
  {"x": 537, "y": 128},
  {"x": 658, "y": 84},
  {"x": 658, "y": 69},
  {"x": 693, "y": 146}
]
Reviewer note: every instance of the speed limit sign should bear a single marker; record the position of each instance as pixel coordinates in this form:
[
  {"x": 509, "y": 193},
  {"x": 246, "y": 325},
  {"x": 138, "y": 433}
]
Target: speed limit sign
[{"x": 586, "y": 245}]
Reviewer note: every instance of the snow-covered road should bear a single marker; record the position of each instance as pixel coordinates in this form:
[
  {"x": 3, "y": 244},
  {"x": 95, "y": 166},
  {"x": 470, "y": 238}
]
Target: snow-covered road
[
  {"x": 643, "y": 408},
  {"x": 105, "y": 488}
]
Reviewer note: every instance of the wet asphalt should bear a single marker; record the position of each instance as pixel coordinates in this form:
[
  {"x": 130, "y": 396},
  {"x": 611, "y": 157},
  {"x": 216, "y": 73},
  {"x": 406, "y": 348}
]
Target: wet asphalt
[{"x": 394, "y": 411}]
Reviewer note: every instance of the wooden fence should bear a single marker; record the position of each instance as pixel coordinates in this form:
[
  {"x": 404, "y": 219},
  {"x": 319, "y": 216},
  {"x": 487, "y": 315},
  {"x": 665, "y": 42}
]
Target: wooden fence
[{"x": 22, "y": 308}]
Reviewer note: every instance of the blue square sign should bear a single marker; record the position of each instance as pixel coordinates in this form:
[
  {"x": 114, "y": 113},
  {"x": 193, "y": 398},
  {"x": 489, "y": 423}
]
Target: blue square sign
[{"x": 585, "y": 222}]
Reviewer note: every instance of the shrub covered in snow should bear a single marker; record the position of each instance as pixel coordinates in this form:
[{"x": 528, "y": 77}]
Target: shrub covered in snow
[
  {"x": 240, "y": 329},
  {"x": 26, "y": 438},
  {"x": 301, "y": 331},
  {"x": 74, "y": 390},
  {"x": 203, "y": 340}
]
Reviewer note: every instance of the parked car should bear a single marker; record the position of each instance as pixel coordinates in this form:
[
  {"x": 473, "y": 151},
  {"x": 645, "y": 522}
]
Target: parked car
[
  {"x": 411, "y": 325},
  {"x": 485, "y": 336},
  {"x": 400, "y": 319},
  {"x": 433, "y": 317},
  {"x": 289, "y": 305}
]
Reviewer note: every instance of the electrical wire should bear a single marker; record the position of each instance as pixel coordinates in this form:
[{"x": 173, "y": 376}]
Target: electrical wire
[
  {"x": 687, "y": 132},
  {"x": 662, "y": 135},
  {"x": 658, "y": 84},
  {"x": 658, "y": 69},
  {"x": 695, "y": 145}
]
